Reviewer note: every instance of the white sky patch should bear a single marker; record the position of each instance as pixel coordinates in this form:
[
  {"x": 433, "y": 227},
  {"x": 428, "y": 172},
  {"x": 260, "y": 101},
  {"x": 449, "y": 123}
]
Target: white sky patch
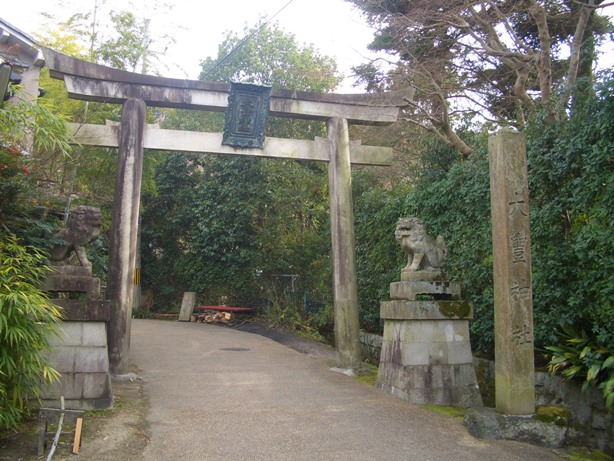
[{"x": 334, "y": 27}]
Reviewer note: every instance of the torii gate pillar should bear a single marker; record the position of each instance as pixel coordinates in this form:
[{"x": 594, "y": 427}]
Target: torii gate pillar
[
  {"x": 124, "y": 225},
  {"x": 345, "y": 286}
]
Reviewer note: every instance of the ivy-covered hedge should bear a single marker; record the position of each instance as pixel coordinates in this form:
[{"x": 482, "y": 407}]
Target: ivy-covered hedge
[{"x": 571, "y": 182}]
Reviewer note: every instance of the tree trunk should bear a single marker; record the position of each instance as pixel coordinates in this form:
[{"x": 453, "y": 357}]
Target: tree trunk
[
  {"x": 576, "y": 48},
  {"x": 544, "y": 64},
  {"x": 457, "y": 142}
]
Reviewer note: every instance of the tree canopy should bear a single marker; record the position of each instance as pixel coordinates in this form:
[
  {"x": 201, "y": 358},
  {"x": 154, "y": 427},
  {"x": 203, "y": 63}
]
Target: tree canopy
[{"x": 499, "y": 59}]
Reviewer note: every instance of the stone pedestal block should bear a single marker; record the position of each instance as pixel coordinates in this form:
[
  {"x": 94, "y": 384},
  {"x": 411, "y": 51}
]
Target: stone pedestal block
[
  {"x": 426, "y": 354},
  {"x": 80, "y": 355},
  {"x": 433, "y": 290},
  {"x": 423, "y": 276},
  {"x": 72, "y": 279}
]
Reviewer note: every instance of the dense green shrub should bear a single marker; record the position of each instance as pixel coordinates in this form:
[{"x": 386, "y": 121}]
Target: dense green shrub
[
  {"x": 571, "y": 190},
  {"x": 378, "y": 257},
  {"x": 234, "y": 227},
  {"x": 571, "y": 174},
  {"x": 580, "y": 357},
  {"x": 27, "y": 320}
]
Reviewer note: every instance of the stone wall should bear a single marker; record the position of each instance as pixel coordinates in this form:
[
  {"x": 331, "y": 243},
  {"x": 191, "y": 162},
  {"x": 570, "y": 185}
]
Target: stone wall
[
  {"x": 370, "y": 348},
  {"x": 80, "y": 355},
  {"x": 590, "y": 424}
]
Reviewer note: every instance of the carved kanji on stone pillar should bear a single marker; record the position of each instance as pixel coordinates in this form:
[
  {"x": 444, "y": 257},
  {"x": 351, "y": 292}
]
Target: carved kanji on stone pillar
[{"x": 514, "y": 373}]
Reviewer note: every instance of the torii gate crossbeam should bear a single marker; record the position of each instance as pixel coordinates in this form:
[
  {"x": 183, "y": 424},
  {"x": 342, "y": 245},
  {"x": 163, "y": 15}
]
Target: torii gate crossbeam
[{"x": 94, "y": 82}]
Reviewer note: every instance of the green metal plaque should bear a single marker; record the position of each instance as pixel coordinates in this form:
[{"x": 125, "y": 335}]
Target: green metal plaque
[{"x": 246, "y": 115}]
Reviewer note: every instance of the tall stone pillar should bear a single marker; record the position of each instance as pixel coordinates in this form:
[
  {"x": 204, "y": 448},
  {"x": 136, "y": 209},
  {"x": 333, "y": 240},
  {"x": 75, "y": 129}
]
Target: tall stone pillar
[
  {"x": 514, "y": 369},
  {"x": 124, "y": 224},
  {"x": 345, "y": 286}
]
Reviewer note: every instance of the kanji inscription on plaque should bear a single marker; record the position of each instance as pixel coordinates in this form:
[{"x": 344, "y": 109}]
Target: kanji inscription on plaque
[{"x": 246, "y": 115}]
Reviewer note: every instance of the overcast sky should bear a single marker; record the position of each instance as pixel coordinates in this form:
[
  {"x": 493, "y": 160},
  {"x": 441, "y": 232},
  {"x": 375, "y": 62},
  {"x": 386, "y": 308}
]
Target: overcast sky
[{"x": 332, "y": 26}]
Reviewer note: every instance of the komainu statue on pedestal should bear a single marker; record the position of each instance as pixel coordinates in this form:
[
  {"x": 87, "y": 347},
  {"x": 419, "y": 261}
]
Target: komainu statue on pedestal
[
  {"x": 83, "y": 226},
  {"x": 424, "y": 253}
]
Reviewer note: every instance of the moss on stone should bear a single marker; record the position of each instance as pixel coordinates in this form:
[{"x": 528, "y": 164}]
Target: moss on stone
[
  {"x": 552, "y": 414},
  {"x": 458, "y": 309}
]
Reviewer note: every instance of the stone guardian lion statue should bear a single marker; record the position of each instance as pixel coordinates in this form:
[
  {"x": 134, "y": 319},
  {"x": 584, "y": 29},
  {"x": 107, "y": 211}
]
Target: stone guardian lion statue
[
  {"x": 83, "y": 226},
  {"x": 423, "y": 252}
]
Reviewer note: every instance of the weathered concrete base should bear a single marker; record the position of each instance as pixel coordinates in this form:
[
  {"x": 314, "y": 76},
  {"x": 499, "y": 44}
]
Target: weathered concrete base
[
  {"x": 78, "y": 310},
  {"x": 80, "y": 355},
  {"x": 423, "y": 276},
  {"x": 80, "y": 352},
  {"x": 431, "y": 384},
  {"x": 426, "y": 354},
  {"x": 486, "y": 423}
]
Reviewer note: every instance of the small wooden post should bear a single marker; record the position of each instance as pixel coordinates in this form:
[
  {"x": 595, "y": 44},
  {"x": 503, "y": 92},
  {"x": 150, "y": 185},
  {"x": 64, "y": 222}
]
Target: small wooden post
[
  {"x": 345, "y": 286},
  {"x": 124, "y": 223},
  {"x": 77, "y": 441},
  {"x": 514, "y": 367}
]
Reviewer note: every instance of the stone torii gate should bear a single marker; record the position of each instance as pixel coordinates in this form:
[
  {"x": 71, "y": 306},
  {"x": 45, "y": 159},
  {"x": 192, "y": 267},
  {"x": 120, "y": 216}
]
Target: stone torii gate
[{"x": 93, "y": 82}]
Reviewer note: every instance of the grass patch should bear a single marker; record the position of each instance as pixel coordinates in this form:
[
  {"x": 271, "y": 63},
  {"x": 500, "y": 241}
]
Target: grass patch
[
  {"x": 587, "y": 454},
  {"x": 367, "y": 374},
  {"x": 455, "y": 412}
]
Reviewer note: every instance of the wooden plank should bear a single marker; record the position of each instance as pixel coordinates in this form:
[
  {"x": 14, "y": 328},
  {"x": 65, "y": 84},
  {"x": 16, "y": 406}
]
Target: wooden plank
[
  {"x": 77, "y": 441},
  {"x": 211, "y": 143}
]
